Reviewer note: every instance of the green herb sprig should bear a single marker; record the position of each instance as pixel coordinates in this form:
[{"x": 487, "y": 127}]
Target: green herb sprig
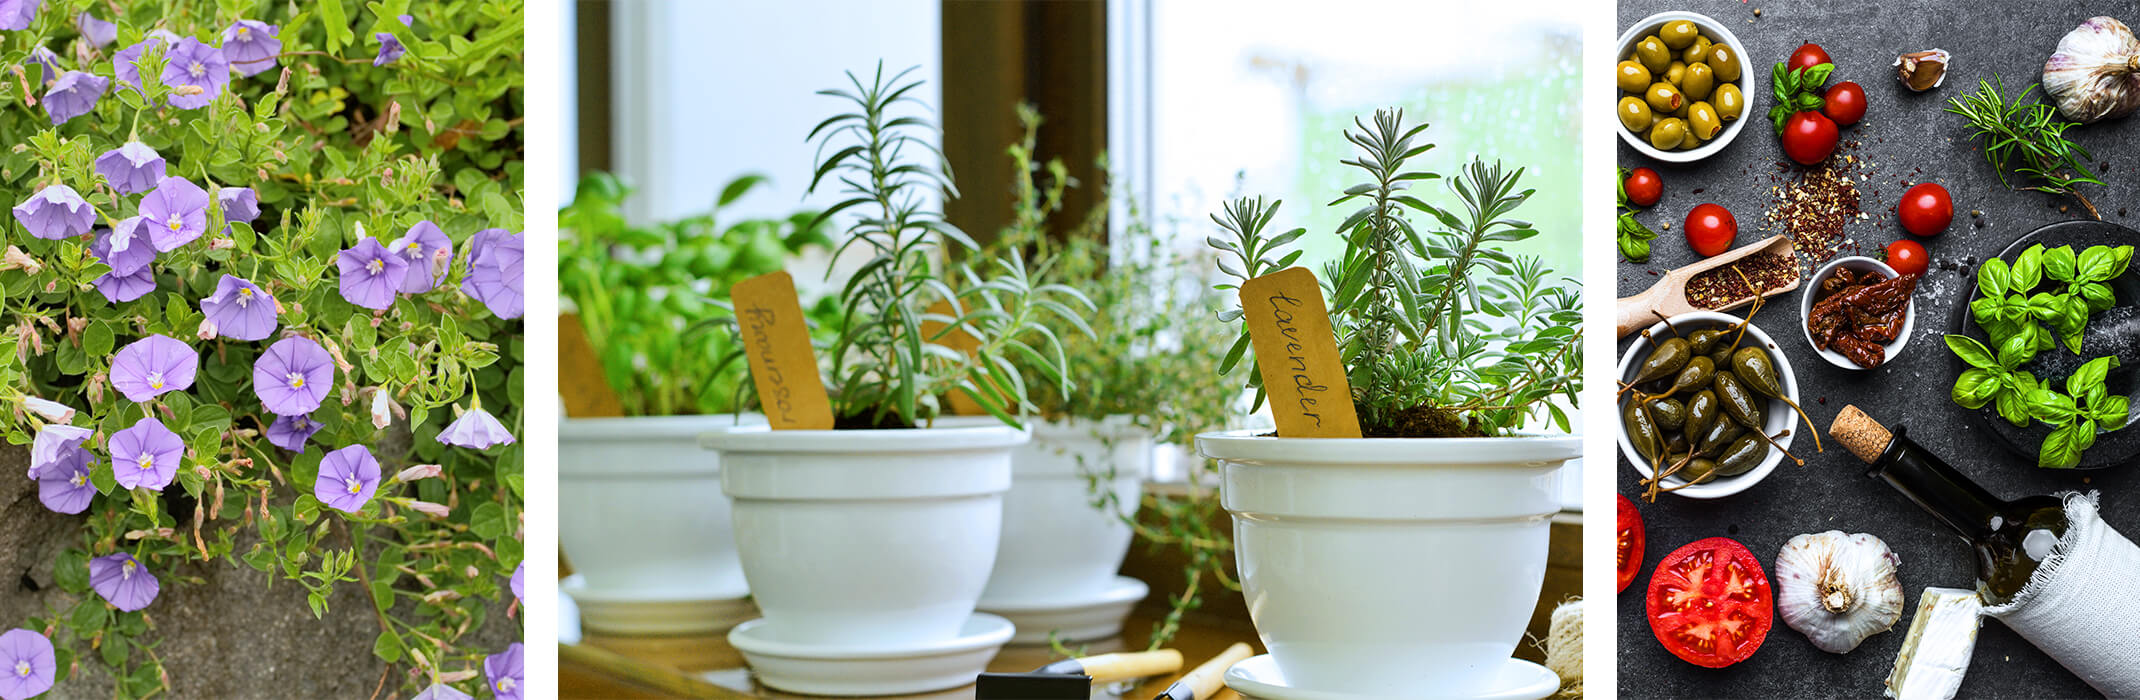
[
  {"x": 1633, "y": 237},
  {"x": 1796, "y": 90},
  {"x": 2026, "y": 136}
]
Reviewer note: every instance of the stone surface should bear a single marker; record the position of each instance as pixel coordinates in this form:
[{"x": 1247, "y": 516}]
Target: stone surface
[
  {"x": 234, "y": 635},
  {"x": 1907, "y": 138}
]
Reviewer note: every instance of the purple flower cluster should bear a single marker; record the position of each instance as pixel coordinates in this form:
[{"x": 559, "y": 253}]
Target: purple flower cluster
[
  {"x": 429, "y": 254},
  {"x": 133, "y": 168},
  {"x": 372, "y": 275},
  {"x": 56, "y": 212},
  {"x": 293, "y": 376},
  {"x": 17, "y": 14},
  {"x": 240, "y": 310},
  {"x": 251, "y": 46},
  {"x": 152, "y": 366},
  {"x": 146, "y": 455},
  {"x": 73, "y": 94},
  {"x": 390, "y": 49}
]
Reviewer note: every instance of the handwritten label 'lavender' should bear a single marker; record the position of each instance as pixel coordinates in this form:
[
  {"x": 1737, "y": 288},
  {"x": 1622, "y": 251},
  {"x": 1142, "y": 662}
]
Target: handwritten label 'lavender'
[{"x": 1297, "y": 353}]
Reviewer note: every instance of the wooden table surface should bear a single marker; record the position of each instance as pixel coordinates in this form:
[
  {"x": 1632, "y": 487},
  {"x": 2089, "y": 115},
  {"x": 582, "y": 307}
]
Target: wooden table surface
[{"x": 667, "y": 663}]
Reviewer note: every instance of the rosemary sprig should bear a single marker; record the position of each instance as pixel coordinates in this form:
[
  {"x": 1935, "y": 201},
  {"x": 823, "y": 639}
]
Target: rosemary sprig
[{"x": 2027, "y": 137}]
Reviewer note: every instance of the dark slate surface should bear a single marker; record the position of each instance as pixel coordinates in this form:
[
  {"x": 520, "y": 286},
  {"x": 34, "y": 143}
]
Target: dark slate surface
[{"x": 1908, "y": 139}]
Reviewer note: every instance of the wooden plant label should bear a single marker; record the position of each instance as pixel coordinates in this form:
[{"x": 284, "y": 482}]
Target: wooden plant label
[
  {"x": 580, "y": 379},
  {"x": 777, "y": 343},
  {"x": 963, "y": 343},
  {"x": 1297, "y": 352}
]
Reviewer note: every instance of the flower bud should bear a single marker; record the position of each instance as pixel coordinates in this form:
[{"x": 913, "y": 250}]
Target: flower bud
[
  {"x": 15, "y": 259},
  {"x": 428, "y": 508},
  {"x": 420, "y": 471},
  {"x": 207, "y": 330},
  {"x": 382, "y": 408},
  {"x": 220, "y": 243},
  {"x": 51, "y": 411}
]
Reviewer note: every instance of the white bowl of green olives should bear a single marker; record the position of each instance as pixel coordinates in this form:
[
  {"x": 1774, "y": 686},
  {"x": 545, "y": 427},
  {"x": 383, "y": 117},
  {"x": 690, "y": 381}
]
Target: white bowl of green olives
[
  {"x": 1684, "y": 87},
  {"x": 1696, "y": 387}
]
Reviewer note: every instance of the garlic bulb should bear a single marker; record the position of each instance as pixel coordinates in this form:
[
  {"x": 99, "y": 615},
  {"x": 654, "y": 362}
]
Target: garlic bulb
[
  {"x": 1838, "y": 589},
  {"x": 2095, "y": 74}
]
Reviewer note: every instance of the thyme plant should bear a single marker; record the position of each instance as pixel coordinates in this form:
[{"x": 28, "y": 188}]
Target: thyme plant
[{"x": 1442, "y": 332}]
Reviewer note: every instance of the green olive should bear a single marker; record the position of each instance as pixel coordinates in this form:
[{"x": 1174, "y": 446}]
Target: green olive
[
  {"x": 1725, "y": 62},
  {"x": 1729, "y": 102},
  {"x": 1635, "y": 114},
  {"x": 1697, "y": 52},
  {"x": 1679, "y": 34},
  {"x": 1698, "y": 81},
  {"x": 1668, "y": 133},
  {"x": 1702, "y": 120},
  {"x": 1669, "y": 413},
  {"x": 1690, "y": 141},
  {"x": 1664, "y": 98},
  {"x": 1675, "y": 73},
  {"x": 1666, "y": 360},
  {"x": 1632, "y": 76},
  {"x": 1651, "y": 52}
]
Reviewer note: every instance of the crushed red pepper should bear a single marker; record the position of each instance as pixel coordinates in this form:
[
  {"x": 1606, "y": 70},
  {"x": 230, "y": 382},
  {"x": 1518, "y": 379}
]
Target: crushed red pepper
[{"x": 1729, "y": 284}]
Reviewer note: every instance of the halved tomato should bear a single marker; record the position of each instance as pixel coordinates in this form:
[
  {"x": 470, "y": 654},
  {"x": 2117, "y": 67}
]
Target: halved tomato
[
  {"x": 1631, "y": 543},
  {"x": 1710, "y": 604}
]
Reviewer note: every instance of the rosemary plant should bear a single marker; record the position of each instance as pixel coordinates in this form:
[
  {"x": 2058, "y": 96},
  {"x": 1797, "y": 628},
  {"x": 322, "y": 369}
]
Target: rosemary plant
[
  {"x": 886, "y": 370},
  {"x": 2027, "y": 137},
  {"x": 1442, "y": 332}
]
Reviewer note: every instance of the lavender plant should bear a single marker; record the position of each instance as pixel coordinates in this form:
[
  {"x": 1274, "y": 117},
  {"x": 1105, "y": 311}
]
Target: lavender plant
[{"x": 213, "y": 360}]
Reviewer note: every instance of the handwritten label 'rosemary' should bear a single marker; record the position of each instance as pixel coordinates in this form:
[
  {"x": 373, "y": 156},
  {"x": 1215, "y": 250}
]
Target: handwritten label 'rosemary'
[
  {"x": 777, "y": 344},
  {"x": 1298, "y": 355}
]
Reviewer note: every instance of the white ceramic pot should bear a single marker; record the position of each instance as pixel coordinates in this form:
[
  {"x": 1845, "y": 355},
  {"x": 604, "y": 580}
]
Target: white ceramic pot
[
  {"x": 1058, "y": 548},
  {"x": 640, "y": 508},
  {"x": 1390, "y": 567},
  {"x": 867, "y": 537}
]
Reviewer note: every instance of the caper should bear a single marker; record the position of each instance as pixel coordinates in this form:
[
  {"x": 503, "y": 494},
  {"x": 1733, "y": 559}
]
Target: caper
[
  {"x": 1742, "y": 455},
  {"x": 1679, "y": 34},
  {"x": 1666, "y": 360},
  {"x": 1697, "y": 52},
  {"x": 1698, "y": 373},
  {"x": 1675, "y": 442},
  {"x": 1664, "y": 98},
  {"x": 1701, "y": 119},
  {"x": 1698, "y": 81},
  {"x": 1652, "y": 53},
  {"x": 1632, "y": 76},
  {"x": 1754, "y": 369},
  {"x": 1668, "y": 133},
  {"x": 1704, "y": 341},
  {"x": 1725, "y": 62},
  {"x": 1634, "y": 114},
  {"x": 1641, "y": 430},
  {"x": 1738, "y": 402},
  {"x": 1669, "y": 413},
  {"x": 1695, "y": 469},
  {"x": 1702, "y": 411},
  {"x": 1722, "y": 357},
  {"x": 1719, "y": 434},
  {"x": 1675, "y": 73},
  {"x": 1729, "y": 102}
]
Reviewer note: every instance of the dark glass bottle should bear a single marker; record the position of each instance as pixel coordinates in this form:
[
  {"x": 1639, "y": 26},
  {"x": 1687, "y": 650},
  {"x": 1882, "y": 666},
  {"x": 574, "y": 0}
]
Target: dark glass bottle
[{"x": 2011, "y": 537}]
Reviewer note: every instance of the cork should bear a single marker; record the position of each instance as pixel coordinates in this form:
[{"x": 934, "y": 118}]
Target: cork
[{"x": 1859, "y": 433}]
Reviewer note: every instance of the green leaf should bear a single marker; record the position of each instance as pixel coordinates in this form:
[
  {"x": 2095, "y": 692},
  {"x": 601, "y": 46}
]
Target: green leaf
[
  {"x": 88, "y": 617},
  {"x": 1994, "y": 278},
  {"x": 71, "y": 571},
  {"x": 97, "y": 339},
  {"x": 2061, "y": 449},
  {"x": 738, "y": 187},
  {"x": 2059, "y": 263},
  {"x": 1976, "y": 387},
  {"x": 1971, "y": 351},
  {"x": 387, "y": 647},
  {"x": 335, "y": 19},
  {"x": 2028, "y": 269},
  {"x": 488, "y": 522},
  {"x": 2092, "y": 374}
]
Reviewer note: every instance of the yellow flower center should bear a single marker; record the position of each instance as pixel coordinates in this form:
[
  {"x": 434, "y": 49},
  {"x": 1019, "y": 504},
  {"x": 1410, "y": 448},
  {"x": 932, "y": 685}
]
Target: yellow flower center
[
  {"x": 245, "y": 32},
  {"x": 376, "y": 266},
  {"x": 297, "y": 381},
  {"x": 197, "y": 69},
  {"x": 505, "y": 686},
  {"x": 245, "y": 296},
  {"x": 156, "y": 380},
  {"x": 355, "y": 486},
  {"x": 175, "y": 223},
  {"x": 79, "y": 479},
  {"x": 126, "y": 570},
  {"x": 147, "y": 462},
  {"x": 22, "y": 668}
]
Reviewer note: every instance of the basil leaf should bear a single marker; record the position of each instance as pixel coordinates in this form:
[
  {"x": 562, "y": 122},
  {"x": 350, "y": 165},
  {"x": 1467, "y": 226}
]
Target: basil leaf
[
  {"x": 1777, "y": 80},
  {"x": 2013, "y": 408},
  {"x": 2028, "y": 269},
  {"x": 2094, "y": 373},
  {"x": 1817, "y": 76},
  {"x": 2097, "y": 296},
  {"x": 2051, "y": 407},
  {"x": 2113, "y": 412},
  {"x": 2016, "y": 350},
  {"x": 1976, "y": 387},
  {"x": 2060, "y": 449},
  {"x": 1971, "y": 351},
  {"x": 2059, "y": 263},
  {"x": 1993, "y": 277}
]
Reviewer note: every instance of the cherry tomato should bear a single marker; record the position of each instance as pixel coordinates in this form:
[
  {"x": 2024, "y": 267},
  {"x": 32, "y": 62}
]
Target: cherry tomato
[
  {"x": 1807, "y": 56},
  {"x": 1809, "y": 137},
  {"x": 1710, "y": 604},
  {"x": 1710, "y": 229},
  {"x": 1631, "y": 542},
  {"x": 1644, "y": 187},
  {"x": 1926, "y": 209},
  {"x": 1907, "y": 257},
  {"x": 1845, "y": 103}
]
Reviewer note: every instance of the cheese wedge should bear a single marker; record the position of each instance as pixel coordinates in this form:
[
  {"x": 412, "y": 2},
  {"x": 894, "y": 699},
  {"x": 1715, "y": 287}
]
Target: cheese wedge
[{"x": 1936, "y": 653}]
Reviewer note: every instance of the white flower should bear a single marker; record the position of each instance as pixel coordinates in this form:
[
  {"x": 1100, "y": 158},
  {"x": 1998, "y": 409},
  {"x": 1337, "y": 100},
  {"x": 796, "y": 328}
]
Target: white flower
[{"x": 382, "y": 409}]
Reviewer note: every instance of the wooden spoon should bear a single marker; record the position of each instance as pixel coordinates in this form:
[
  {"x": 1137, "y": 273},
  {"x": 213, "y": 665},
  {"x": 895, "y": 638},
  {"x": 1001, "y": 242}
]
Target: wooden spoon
[{"x": 1669, "y": 295}]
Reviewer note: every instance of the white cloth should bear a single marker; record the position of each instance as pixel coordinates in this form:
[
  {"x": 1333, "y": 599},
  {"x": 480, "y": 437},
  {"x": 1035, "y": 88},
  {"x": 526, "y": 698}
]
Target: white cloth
[{"x": 2083, "y": 604}]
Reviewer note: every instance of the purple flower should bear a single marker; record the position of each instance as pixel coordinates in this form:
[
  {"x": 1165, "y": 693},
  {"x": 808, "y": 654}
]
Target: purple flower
[
  {"x": 348, "y": 477},
  {"x": 240, "y": 310},
  {"x": 125, "y": 65},
  {"x": 44, "y": 57},
  {"x": 370, "y": 275},
  {"x": 291, "y": 432},
  {"x": 123, "y": 248},
  {"x": 251, "y": 46},
  {"x": 123, "y": 582},
  {"x": 74, "y": 94},
  {"x": 441, "y": 691},
  {"x": 427, "y": 249},
  {"x": 56, "y": 212},
  {"x": 197, "y": 73},
  {"x": 97, "y": 31},
  {"x": 293, "y": 377},
  {"x": 177, "y": 211},
  {"x": 495, "y": 272},
  {"x": 118, "y": 288},
  {"x": 239, "y": 203},
  {"x": 407, "y": 20},
  {"x": 476, "y": 429},
  {"x": 17, "y": 14},
  {"x": 506, "y": 674},
  {"x": 53, "y": 445},
  {"x": 133, "y": 168},
  {"x": 518, "y": 581},
  {"x": 390, "y": 49},
  {"x": 146, "y": 455},
  {"x": 27, "y": 665},
  {"x": 64, "y": 487},
  {"x": 148, "y": 367}
]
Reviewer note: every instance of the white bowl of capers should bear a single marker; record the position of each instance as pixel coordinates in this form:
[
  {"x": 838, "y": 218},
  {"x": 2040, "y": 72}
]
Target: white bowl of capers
[{"x": 1684, "y": 86}]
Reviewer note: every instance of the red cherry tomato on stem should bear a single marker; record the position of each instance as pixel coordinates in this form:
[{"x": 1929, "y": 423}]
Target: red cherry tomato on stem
[
  {"x": 1710, "y": 229},
  {"x": 1845, "y": 103},
  {"x": 1710, "y": 603},
  {"x": 1809, "y": 137},
  {"x": 1907, "y": 257},
  {"x": 1807, "y": 56},
  {"x": 1644, "y": 187},
  {"x": 1631, "y": 542},
  {"x": 1926, "y": 209}
]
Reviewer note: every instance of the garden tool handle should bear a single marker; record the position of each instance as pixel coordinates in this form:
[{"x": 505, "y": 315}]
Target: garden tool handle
[{"x": 1124, "y": 666}]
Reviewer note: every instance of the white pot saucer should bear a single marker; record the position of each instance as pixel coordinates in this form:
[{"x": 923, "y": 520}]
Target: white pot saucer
[
  {"x": 1079, "y": 619},
  {"x": 1258, "y": 677},
  {"x": 653, "y": 613},
  {"x": 870, "y": 670}
]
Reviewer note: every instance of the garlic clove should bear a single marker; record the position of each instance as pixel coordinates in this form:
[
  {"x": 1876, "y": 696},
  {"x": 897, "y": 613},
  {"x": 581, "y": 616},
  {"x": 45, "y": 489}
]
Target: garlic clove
[
  {"x": 1837, "y": 588},
  {"x": 1922, "y": 70},
  {"x": 2095, "y": 73}
]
